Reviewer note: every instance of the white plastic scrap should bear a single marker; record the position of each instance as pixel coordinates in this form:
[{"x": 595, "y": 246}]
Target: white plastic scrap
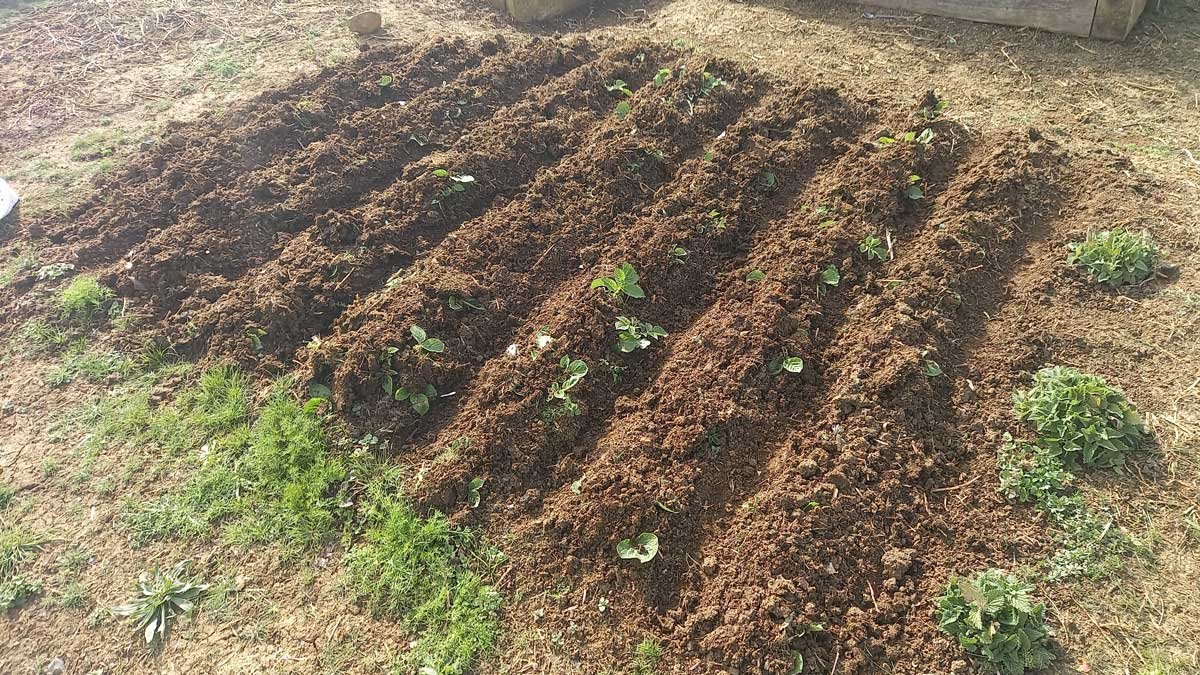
[{"x": 8, "y": 198}]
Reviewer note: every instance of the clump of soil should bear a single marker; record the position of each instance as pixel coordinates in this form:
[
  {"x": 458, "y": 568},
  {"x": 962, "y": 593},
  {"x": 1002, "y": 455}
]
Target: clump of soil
[{"x": 313, "y": 227}]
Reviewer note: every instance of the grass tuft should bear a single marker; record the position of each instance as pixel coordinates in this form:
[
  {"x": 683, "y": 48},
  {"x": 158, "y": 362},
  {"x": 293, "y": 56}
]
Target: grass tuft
[{"x": 82, "y": 300}]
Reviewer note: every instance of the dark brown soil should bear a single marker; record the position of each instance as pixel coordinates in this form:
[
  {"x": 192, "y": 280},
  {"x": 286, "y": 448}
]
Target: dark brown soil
[{"x": 835, "y": 496}]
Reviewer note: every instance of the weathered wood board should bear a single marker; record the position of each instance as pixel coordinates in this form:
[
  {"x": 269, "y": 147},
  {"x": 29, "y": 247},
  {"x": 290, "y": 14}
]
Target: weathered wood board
[{"x": 1105, "y": 19}]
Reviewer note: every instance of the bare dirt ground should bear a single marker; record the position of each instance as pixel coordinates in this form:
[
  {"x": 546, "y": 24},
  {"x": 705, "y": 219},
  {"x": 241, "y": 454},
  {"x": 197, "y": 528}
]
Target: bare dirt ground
[{"x": 88, "y": 86}]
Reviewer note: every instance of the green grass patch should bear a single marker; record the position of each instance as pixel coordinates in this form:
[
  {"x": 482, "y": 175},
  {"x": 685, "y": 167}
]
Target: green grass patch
[
  {"x": 408, "y": 569},
  {"x": 98, "y": 144},
  {"x": 79, "y": 364},
  {"x": 270, "y": 481},
  {"x": 25, "y": 259},
  {"x": 83, "y": 300},
  {"x": 38, "y": 335},
  {"x": 8, "y": 494},
  {"x": 1115, "y": 257}
]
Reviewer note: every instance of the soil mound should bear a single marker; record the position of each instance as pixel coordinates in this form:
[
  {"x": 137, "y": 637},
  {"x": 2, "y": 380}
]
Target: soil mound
[{"x": 476, "y": 189}]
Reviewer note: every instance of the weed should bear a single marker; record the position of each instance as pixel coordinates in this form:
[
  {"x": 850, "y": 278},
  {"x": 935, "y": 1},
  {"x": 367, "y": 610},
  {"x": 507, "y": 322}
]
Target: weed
[
  {"x": 161, "y": 597},
  {"x": 255, "y": 335},
  {"x": 406, "y": 569},
  {"x": 678, "y": 255},
  {"x": 873, "y": 247},
  {"x": 634, "y": 334},
  {"x": 74, "y": 560},
  {"x": 54, "y": 271},
  {"x": 932, "y": 112},
  {"x": 38, "y": 335},
  {"x": 452, "y": 184},
  {"x": 73, "y": 595},
  {"x": 830, "y": 276},
  {"x": 646, "y": 657},
  {"x": 642, "y": 548},
  {"x": 1080, "y": 418},
  {"x": 931, "y": 368},
  {"x": 83, "y": 299},
  {"x": 16, "y": 591},
  {"x": 622, "y": 110},
  {"x": 1115, "y": 257},
  {"x": 424, "y": 343},
  {"x": 623, "y": 283},
  {"x": 7, "y": 494},
  {"x": 17, "y": 546},
  {"x": 755, "y": 275},
  {"x": 575, "y": 370},
  {"x": 24, "y": 261},
  {"x": 1089, "y": 545},
  {"x": 994, "y": 617},
  {"x": 661, "y": 77},
  {"x": 98, "y": 144}
]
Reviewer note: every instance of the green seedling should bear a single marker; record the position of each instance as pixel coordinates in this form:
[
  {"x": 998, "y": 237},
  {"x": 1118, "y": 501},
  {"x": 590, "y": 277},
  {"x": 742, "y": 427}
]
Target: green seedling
[
  {"x": 384, "y": 81},
  {"x": 785, "y": 363},
  {"x": 473, "y": 489},
  {"x": 914, "y": 191},
  {"x": 830, "y": 276},
  {"x": 708, "y": 84},
  {"x": 424, "y": 343},
  {"x": 1080, "y": 418},
  {"x": 994, "y": 617},
  {"x": 768, "y": 181},
  {"x": 642, "y": 548},
  {"x": 575, "y": 370},
  {"x": 755, "y": 275},
  {"x": 419, "y": 400},
  {"x": 254, "y": 336},
  {"x": 623, "y": 283},
  {"x": 1115, "y": 257},
  {"x": 679, "y": 255},
  {"x": 934, "y": 111},
  {"x": 622, "y": 110},
  {"x": 619, "y": 85},
  {"x": 714, "y": 220},
  {"x": 452, "y": 185},
  {"x": 460, "y": 302},
  {"x": 924, "y": 138},
  {"x": 931, "y": 368},
  {"x": 661, "y": 77},
  {"x": 873, "y": 247},
  {"x": 161, "y": 596},
  {"x": 635, "y": 334}
]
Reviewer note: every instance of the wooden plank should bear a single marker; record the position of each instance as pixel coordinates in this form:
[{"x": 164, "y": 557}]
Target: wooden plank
[
  {"x": 1073, "y": 17},
  {"x": 1115, "y": 18}
]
